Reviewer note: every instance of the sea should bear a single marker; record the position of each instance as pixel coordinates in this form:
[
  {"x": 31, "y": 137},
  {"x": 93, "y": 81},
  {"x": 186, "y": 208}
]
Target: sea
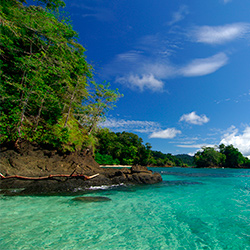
[{"x": 191, "y": 209}]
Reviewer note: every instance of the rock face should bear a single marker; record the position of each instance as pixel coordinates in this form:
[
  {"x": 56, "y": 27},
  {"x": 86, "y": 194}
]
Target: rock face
[{"x": 34, "y": 161}]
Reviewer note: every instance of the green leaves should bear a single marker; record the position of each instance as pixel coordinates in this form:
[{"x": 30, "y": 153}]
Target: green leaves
[
  {"x": 227, "y": 156},
  {"x": 45, "y": 79}
]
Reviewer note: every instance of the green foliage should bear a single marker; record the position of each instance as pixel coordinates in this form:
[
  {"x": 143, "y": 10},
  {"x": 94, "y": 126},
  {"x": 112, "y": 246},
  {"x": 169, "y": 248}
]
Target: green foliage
[
  {"x": 46, "y": 88},
  {"x": 129, "y": 149},
  {"x": 234, "y": 158},
  {"x": 99, "y": 100},
  {"x": 106, "y": 159},
  {"x": 209, "y": 157},
  {"x": 186, "y": 159},
  {"x": 126, "y": 147},
  {"x": 227, "y": 156},
  {"x": 161, "y": 159}
]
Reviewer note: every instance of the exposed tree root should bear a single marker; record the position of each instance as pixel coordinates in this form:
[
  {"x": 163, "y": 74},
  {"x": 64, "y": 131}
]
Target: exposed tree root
[{"x": 48, "y": 177}]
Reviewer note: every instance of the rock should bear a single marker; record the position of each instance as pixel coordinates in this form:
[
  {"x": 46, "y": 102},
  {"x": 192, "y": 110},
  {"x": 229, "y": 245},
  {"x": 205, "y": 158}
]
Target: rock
[
  {"x": 36, "y": 161},
  {"x": 92, "y": 199},
  {"x": 139, "y": 169}
]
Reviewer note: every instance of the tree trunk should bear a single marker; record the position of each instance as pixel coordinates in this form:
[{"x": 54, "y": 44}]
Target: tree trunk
[
  {"x": 19, "y": 129},
  {"x": 39, "y": 114},
  {"x": 70, "y": 105}
]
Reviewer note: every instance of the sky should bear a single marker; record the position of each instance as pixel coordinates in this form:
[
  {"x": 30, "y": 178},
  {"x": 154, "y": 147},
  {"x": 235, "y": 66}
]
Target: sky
[{"x": 183, "y": 67}]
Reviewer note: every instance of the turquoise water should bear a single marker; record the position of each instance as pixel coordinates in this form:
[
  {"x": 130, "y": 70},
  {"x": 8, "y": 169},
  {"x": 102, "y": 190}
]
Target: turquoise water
[{"x": 191, "y": 209}]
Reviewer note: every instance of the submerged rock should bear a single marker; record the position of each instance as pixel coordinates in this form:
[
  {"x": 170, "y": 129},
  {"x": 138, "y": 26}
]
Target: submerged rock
[{"x": 92, "y": 199}]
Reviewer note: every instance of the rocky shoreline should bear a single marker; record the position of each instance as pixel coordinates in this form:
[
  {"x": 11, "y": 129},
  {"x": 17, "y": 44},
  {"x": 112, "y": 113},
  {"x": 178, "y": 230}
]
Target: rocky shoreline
[{"x": 31, "y": 160}]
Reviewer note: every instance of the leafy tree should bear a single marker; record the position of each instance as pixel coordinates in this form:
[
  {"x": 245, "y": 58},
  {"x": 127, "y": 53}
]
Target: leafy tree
[
  {"x": 99, "y": 100},
  {"x": 209, "y": 157},
  {"x": 186, "y": 159},
  {"x": 126, "y": 147},
  {"x": 234, "y": 158},
  {"x": 46, "y": 83},
  {"x": 129, "y": 149},
  {"x": 106, "y": 159}
]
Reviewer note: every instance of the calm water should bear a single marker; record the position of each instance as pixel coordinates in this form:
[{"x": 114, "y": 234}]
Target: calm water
[{"x": 191, "y": 209}]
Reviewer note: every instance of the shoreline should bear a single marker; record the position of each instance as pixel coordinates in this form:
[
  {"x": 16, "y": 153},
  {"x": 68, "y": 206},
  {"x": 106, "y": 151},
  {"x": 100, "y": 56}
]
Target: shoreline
[{"x": 115, "y": 166}]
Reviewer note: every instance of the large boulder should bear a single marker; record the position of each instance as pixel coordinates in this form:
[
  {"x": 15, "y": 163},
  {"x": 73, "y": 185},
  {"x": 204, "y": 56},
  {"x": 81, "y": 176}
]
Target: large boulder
[{"x": 36, "y": 161}]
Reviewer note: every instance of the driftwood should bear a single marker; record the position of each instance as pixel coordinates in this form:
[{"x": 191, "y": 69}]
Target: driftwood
[{"x": 48, "y": 177}]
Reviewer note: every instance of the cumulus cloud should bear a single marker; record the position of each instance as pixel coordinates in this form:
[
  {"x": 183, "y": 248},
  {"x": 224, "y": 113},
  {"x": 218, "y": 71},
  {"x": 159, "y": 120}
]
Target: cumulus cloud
[
  {"x": 240, "y": 141},
  {"x": 168, "y": 133},
  {"x": 220, "y": 34},
  {"x": 204, "y": 66},
  {"x": 179, "y": 15},
  {"x": 195, "y": 146},
  {"x": 145, "y": 81},
  {"x": 195, "y": 119}
]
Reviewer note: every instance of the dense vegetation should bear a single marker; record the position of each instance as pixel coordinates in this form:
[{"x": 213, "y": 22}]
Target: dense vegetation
[
  {"x": 223, "y": 156},
  {"x": 128, "y": 149},
  {"x": 47, "y": 91},
  {"x": 48, "y": 94}
]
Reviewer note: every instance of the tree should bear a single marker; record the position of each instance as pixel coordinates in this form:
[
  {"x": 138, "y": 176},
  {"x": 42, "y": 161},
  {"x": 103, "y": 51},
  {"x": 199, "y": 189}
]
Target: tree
[
  {"x": 234, "y": 158},
  {"x": 209, "y": 157},
  {"x": 45, "y": 79},
  {"x": 99, "y": 100}
]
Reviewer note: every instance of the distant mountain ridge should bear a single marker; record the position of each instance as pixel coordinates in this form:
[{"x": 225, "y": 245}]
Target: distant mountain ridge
[{"x": 186, "y": 159}]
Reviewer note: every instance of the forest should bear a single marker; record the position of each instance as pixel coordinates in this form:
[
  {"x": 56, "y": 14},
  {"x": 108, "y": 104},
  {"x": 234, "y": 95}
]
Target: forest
[
  {"x": 222, "y": 156},
  {"x": 48, "y": 93},
  {"x": 128, "y": 149}
]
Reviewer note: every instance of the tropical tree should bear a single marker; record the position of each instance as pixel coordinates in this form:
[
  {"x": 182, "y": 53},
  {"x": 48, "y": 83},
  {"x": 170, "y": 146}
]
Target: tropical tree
[
  {"x": 234, "y": 158},
  {"x": 46, "y": 82},
  {"x": 209, "y": 157}
]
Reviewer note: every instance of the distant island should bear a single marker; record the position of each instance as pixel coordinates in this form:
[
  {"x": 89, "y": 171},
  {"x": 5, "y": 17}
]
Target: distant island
[
  {"x": 128, "y": 149},
  {"x": 221, "y": 156}
]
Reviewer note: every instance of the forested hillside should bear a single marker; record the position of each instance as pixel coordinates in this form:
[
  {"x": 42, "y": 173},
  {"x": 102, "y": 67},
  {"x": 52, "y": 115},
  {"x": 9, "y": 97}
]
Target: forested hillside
[
  {"x": 127, "y": 149},
  {"x": 187, "y": 159},
  {"x": 48, "y": 93}
]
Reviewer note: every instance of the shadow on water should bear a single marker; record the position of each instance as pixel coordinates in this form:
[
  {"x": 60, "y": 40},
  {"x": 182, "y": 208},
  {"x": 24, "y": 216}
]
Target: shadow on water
[
  {"x": 95, "y": 190},
  {"x": 101, "y": 190},
  {"x": 181, "y": 183},
  {"x": 223, "y": 175}
]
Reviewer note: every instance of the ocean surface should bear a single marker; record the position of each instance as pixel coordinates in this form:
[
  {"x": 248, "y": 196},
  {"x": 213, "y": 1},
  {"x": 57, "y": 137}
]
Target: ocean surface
[{"x": 191, "y": 209}]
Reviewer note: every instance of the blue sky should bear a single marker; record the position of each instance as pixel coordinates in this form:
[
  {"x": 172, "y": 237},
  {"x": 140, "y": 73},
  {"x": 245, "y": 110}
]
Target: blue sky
[{"x": 183, "y": 67}]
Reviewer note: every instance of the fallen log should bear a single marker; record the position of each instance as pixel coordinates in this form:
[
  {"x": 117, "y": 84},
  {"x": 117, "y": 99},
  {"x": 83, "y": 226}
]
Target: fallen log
[{"x": 48, "y": 177}]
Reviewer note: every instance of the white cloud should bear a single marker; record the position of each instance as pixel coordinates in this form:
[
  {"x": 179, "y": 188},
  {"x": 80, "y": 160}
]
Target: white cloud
[
  {"x": 227, "y": 1},
  {"x": 220, "y": 34},
  {"x": 168, "y": 133},
  {"x": 195, "y": 146},
  {"x": 138, "y": 72},
  {"x": 204, "y": 66},
  {"x": 145, "y": 81},
  {"x": 147, "y": 66},
  {"x": 240, "y": 141},
  {"x": 195, "y": 119},
  {"x": 132, "y": 125},
  {"x": 179, "y": 15}
]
